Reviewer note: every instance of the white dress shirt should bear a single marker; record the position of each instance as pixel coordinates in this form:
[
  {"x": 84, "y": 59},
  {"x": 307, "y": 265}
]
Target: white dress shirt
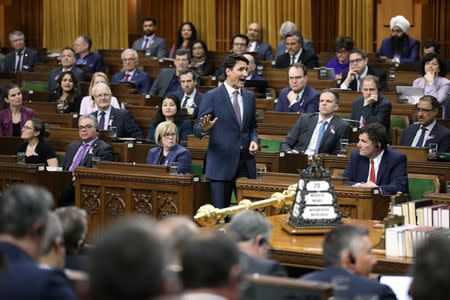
[
  {"x": 419, "y": 132},
  {"x": 376, "y": 164},
  {"x": 230, "y": 92},
  {"x": 310, "y": 150}
]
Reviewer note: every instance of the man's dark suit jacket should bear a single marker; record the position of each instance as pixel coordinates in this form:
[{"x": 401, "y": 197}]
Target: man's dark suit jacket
[
  {"x": 378, "y": 112},
  {"x": 23, "y": 279},
  {"x": 264, "y": 51},
  {"x": 439, "y": 134},
  {"x": 140, "y": 79},
  {"x": 309, "y": 103},
  {"x": 358, "y": 285},
  {"x": 370, "y": 71},
  {"x": 300, "y": 135},
  {"x": 409, "y": 54},
  {"x": 94, "y": 62},
  {"x": 308, "y": 58},
  {"x": 54, "y": 76},
  {"x": 391, "y": 177},
  {"x": 125, "y": 123},
  {"x": 197, "y": 100},
  {"x": 162, "y": 82},
  {"x": 29, "y": 59},
  {"x": 99, "y": 149},
  {"x": 158, "y": 46}
]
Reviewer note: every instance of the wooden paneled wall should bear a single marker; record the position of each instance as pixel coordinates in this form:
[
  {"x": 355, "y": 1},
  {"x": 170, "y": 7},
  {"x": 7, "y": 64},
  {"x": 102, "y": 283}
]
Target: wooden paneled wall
[{"x": 324, "y": 24}]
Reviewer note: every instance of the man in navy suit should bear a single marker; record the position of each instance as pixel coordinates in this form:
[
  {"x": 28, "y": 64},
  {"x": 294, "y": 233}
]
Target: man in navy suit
[
  {"x": 68, "y": 61},
  {"x": 288, "y": 28},
  {"x": 24, "y": 213},
  {"x": 228, "y": 115},
  {"x": 305, "y": 136},
  {"x": 347, "y": 255},
  {"x": 296, "y": 53},
  {"x": 92, "y": 61},
  {"x": 189, "y": 96},
  {"x": 255, "y": 45},
  {"x": 108, "y": 116},
  {"x": 428, "y": 130},
  {"x": 140, "y": 79},
  {"x": 22, "y": 58},
  {"x": 298, "y": 97},
  {"x": 375, "y": 164},
  {"x": 150, "y": 42}
]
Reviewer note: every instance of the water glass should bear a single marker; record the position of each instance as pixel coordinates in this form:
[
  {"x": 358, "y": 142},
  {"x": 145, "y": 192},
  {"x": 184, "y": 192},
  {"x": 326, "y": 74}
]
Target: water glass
[
  {"x": 269, "y": 94},
  {"x": 95, "y": 161},
  {"x": 260, "y": 172},
  {"x": 60, "y": 106},
  {"x": 391, "y": 73},
  {"x": 173, "y": 168},
  {"x": 344, "y": 144},
  {"x": 113, "y": 131},
  {"x": 432, "y": 148},
  {"x": 21, "y": 157}
]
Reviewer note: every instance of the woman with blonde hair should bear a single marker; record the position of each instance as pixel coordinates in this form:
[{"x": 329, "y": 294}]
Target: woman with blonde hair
[{"x": 87, "y": 103}]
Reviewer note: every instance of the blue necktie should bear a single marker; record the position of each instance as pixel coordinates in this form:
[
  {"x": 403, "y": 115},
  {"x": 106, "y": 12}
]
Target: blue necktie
[
  {"x": 321, "y": 131},
  {"x": 421, "y": 138}
]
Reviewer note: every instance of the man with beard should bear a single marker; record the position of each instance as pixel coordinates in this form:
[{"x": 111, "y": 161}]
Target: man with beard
[
  {"x": 399, "y": 48},
  {"x": 150, "y": 42}
]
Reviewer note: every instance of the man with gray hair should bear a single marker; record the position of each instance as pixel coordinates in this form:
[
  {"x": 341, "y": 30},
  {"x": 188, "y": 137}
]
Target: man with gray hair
[
  {"x": 347, "y": 255},
  {"x": 24, "y": 215},
  {"x": 289, "y": 28},
  {"x": 131, "y": 74},
  {"x": 53, "y": 254},
  {"x": 264, "y": 50},
  {"x": 22, "y": 58}
]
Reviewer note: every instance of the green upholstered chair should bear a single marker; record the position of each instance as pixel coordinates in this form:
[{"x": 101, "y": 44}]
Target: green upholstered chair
[
  {"x": 272, "y": 145},
  {"x": 421, "y": 183}
]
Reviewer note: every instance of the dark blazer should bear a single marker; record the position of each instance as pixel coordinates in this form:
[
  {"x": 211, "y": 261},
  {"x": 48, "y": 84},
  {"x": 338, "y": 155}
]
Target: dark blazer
[
  {"x": 264, "y": 51},
  {"x": 378, "y": 112},
  {"x": 54, "y": 76},
  {"x": 162, "y": 82},
  {"x": 370, "y": 71},
  {"x": 125, "y": 123},
  {"x": 226, "y": 138},
  {"x": 205, "y": 69},
  {"x": 439, "y": 134},
  {"x": 40, "y": 283},
  {"x": 29, "y": 59},
  {"x": 99, "y": 149},
  {"x": 197, "y": 100},
  {"x": 392, "y": 176},
  {"x": 73, "y": 107},
  {"x": 358, "y": 285},
  {"x": 94, "y": 62},
  {"x": 409, "y": 54},
  {"x": 300, "y": 135},
  {"x": 281, "y": 47},
  {"x": 177, "y": 154},
  {"x": 158, "y": 46},
  {"x": 6, "y": 127},
  {"x": 140, "y": 79},
  {"x": 309, "y": 103},
  {"x": 308, "y": 58},
  {"x": 184, "y": 129}
]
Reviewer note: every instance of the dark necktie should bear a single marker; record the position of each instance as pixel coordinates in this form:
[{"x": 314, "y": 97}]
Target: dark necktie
[
  {"x": 359, "y": 83},
  {"x": 19, "y": 62},
  {"x": 372, "y": 172},
  {"x": 79, "y": 157},
  {"x": 321, "y": 131},
  {"x": 185, "y": 101},
  {"x": 292, "y": 59},
  {"x": 144, "y": 46},
  {"x": 237, "y": 109},
  {"x": 101, "y": 124},
  {"x": 421, "y": 138},
  {"x": 127, "y": 77}
]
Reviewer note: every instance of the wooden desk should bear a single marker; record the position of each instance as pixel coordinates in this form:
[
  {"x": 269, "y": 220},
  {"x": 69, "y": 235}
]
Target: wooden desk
[
  {"x": 438, "y": 198},
  {"x": 46, "y": 112},
  {"x": 305, "y": 251},
  {"x": 9, "y": 144}
]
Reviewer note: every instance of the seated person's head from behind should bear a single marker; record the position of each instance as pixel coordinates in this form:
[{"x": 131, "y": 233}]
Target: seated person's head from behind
[
  {"x": 239, "y": 44},
  {"x": 182, "y": 60},
  {"x": 433, "y": 63},
  {"x": 53, "y": 252},
  {"x": 88, "y": 128},
  {"x": 130, "y": 59},
  {"x": 252, "y": 232},
  {"x": 128, "y": 262},
  {"x": 188, "y": 81},
  {"x": 358, "y": 60},
  {"x": 427, "y": 110},
  {"x": 294, "y": 42},
  {"x": 328, "y": 103},
  {"x": 34, "y": 129},
  {"x": 68, "y": 59},
  {"x": 166, "y": 135},
  {"x": 102, "y": 96},
  {"x": 431, "y": 270},
  {"x": 297, "y": 77},
  {"x": 372, "y": 140},
  {"x": 349, "y": 247},
  {"x": 342, "y": 46},
  {"x": 74, "y": 224},
  {"x": 431, "y": 46},
  {"x": 235, "y": 67}
]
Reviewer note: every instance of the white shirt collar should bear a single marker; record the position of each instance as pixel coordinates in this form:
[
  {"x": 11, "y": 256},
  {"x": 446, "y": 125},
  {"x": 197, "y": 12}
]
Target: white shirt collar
[
  {"x": 230, "y": 90},
  {"x": 429, "y": 127}
]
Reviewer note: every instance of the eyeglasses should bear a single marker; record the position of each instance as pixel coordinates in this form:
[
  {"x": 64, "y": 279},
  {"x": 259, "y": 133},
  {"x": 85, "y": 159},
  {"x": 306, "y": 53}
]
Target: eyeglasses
[
  {"x": 87, "y": 127},
  {"x": 28, "y": 128},
  {"x": 423, "y": 110},
  {"x": 340, "y": 52},
  {"x": 240, "y": 44},
  {"x": 356, "y": 61},
  {"x": 295, "y": 78},
  {"x": 170, "y": 135}
]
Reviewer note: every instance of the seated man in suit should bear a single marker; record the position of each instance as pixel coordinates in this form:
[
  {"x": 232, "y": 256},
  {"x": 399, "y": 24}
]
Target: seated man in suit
[
  {"x": 427, "y": 130},
  {"x": 239, "y": 45},
  {"x": 296, "y": 53},
  {"x": 130, "y": 73},
  {"x": 371, "y": 107},
  {"x": 151, "y": 43},
  {"x": 375, "y": 164},
  {"x": 168, "y": 80},
  {"x": 289, "y": 28},
  {"x": 108, "y": 116},
  {"x": 92, "y": 61},
  {"x": 190, "y": 97},
  {"x": 358, "y": 69},
  {"x": 255, "y": 45},
  {"x": 22, "y": 58},
  {"x": 319, "y": 132},
  {"x": 399, "y": 48},
  {"x": 24, "y": 213},
  {"x": 347, "y": 255},
  {"x": 298, "y": 97},
  {"x": 251, "y": 68},
  {"x": 68, "y": 61}
]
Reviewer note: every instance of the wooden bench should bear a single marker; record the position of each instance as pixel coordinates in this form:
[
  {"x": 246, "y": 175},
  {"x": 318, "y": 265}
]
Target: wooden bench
[
  {"x": 46, "y": 112},
  {"x": 143, "y": 115}
]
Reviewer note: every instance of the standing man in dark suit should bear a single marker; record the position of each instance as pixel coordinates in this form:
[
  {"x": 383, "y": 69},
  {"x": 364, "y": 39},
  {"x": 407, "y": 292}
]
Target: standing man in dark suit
[
  {"x": 255, "y": 45},
  {"x": 375, "y": 164},
  {"x": 298, "y": 97},
  {"x": 150, "y": 42},
  {"x": 190, "y": 97},
  {"x": 92, "y": 61},
  {"x": 108, "y": 116},
  {"x": 24, "y": 213},
  {"x": 68, "y": 61},
  {"x": 22, "y": 58},
  {"x": 228, "y": 115},
  {"x": 427, "y": 130},
  {"x": 358, "y": 69},
  {"x": 347, "y": 255},
  {"x": 319, "y": 132},
  {"x": 130, "y": 73},
  {"x": 296, "y": 53},
  {"x": 371, "y": 107}
]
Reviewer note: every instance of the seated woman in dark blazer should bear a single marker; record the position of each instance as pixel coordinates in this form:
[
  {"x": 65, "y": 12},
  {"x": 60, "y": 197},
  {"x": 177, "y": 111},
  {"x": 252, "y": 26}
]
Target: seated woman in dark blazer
[
  {"x": 68, "y": 90},
  {"x": 170, "y": 110},
  {"x": 14, "y": 116},
  {"x": 37, "y": 150},
  {"x": 199, "y": 59},
  {"x": 166, "y": 136}
]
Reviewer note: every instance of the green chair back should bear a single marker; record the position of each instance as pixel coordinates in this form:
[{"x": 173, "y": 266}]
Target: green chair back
[
  {"x": 272, "y": 145},
  {"x": 35, "y": 86},
  {"x": 418, "y": 186},
  {"x": 197, "y": 169}
]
